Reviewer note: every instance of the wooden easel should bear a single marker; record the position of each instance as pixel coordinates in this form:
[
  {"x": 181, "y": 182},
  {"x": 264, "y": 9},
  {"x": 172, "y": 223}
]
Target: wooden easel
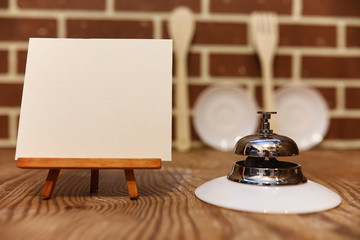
[
  {"x": 115, "y": 114},
  {"x": 94, "y": 164}
]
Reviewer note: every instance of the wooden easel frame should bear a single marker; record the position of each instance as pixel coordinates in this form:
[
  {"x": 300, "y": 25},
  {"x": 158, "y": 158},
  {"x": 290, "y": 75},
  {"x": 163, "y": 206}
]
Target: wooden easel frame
[{"x": 94, "y": 164}]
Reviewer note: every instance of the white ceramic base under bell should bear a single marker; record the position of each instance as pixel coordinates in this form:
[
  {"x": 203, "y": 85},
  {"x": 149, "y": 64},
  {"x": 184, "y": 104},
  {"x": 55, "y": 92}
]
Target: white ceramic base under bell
[{"x": 303, "y": 198}]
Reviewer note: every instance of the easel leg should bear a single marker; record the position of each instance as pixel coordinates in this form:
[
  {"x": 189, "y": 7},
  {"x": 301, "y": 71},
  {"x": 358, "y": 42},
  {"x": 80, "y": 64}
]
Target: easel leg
[
  {"x": 94, "y": 180},
  {"x": 131, "y": 184},
  {"x": 50, "y": 183}
]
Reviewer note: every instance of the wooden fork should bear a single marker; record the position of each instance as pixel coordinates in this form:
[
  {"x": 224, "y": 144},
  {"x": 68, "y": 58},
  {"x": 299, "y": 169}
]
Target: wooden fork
[{"x": 264, "y": 28}]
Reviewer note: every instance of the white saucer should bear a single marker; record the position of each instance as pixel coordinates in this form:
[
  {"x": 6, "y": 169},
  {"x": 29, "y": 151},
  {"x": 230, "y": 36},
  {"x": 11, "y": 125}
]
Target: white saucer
[
  {"x": 303, "y": 198},
  {"x": 302, "y": 114},
  {"x": 223, "y": 115}
]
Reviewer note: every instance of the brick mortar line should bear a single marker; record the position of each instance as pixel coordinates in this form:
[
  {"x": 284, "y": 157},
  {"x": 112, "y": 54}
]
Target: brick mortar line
[
  {"x": 205, "y": 8},
  {"x": 197, "y": 144},
  {"x": 320, "y": 20},
  {"x": 316, "y": 81},
  {"x": 323, "y": 82},
  {"x": 340, "y": 97},
  {"x": 157, "y": 27},
  {"x": 296, "y": 66},
  {"x": 13, "y": 125},
  {"x": 236, "y": 49},
  {"x": 7, "y": 143},
  {"x": 296, "y": 9},
  {"x": 222, "y": 48},
  {"x": 340, "y": 144},
  {"x": 331, "y": 82},
  {"x": 12, "y": 60},
  {"x": 204, "y": 67},
  {"x": 19, "y": 45},
  {"x": 317, "y": 84},
  {"x": 249, "y": 37},
  {"x": 96, "y": 14},
  {"x": 74, "y": 14},
  {"x": 13, "y": 8},
  {"x": 311, "y": 20},
  {"x": 9, "y": 79},
  {"x": 344, "y": 114},
  {"x": 61, "y": 26},
  {"x": 278, "y": 81},
  {"x": 341, "y": 35},
  {"x": 220, "y": 80},
  {"x": 9, "y": 110},
  {"x": 109, "y": 7}
]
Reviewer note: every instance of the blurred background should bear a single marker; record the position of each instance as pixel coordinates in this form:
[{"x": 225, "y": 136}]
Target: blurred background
[{"x": 319, "y": 44}]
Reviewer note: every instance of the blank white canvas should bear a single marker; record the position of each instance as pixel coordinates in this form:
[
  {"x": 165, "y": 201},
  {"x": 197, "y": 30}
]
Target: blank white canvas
[{"x": 96, "y": 98}]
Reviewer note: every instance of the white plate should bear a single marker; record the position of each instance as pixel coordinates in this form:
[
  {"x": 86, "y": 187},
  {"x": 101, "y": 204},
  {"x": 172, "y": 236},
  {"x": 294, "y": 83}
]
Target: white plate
[
  {"x": 223, "y": 115},
  {"x": 302, "y": 115},
  {"x": 303, "y": 198}
]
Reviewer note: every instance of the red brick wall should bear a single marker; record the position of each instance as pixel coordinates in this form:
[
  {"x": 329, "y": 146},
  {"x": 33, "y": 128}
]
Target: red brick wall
[{"x": 319, "y": 45}]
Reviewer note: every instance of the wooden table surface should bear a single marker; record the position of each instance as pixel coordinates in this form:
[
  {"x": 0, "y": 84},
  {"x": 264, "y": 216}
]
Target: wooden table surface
[{"x": 167, "y": 207}]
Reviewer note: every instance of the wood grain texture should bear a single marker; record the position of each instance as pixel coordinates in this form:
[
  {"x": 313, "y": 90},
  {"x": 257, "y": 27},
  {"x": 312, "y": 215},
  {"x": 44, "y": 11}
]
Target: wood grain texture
[{"x": 167, "y": 207}]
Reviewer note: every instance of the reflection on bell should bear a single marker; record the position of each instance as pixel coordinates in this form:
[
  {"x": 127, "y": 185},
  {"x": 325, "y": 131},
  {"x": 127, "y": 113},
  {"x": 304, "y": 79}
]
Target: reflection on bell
[
  {"x": 261, "y": 183},
  {"x": 261, "y": 167}
]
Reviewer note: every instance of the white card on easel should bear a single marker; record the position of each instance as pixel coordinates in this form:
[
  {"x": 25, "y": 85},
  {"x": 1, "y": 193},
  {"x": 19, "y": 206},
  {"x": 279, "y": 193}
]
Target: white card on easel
[{"x": 96, "y": 98}]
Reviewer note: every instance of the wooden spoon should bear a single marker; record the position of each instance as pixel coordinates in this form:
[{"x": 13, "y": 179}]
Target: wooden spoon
[{"x": 181, "y": 30}]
